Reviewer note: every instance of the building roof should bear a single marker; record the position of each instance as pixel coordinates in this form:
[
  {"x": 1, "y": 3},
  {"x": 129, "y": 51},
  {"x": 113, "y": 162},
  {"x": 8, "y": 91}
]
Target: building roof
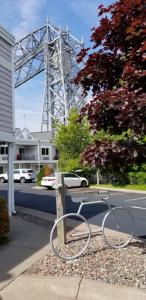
[
  {"x": 7, "y": 36},
  {"x": 24, "y": 134},
  {"x": 43, "y": 136}
]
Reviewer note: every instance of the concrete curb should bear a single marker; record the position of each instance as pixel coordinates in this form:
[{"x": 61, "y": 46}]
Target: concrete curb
[
  {"x": 92, "y": 190},
  {"x": 36, "y": 187},
  {"x": 36, "y": 213},
  {"x": 119, "y": 190}
]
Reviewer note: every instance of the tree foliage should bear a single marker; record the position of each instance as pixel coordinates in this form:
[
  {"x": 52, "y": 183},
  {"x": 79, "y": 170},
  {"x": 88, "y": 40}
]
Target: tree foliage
[
  {"x": 71, "y": 140},
  {"x": 46, "y": 170},
  {"x": 4, "y": 219},
  {"x": 115, "y": 72}
]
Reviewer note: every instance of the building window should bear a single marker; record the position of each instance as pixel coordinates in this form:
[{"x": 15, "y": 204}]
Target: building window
[
  {"x": 3, "y": 150},
  {"x": 45, "y": 151}
]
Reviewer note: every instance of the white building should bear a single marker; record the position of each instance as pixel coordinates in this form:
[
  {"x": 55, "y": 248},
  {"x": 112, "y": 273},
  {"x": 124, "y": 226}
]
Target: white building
[
  {"x": 7, "y": 105},
  {"x": 31, "y": 150}
]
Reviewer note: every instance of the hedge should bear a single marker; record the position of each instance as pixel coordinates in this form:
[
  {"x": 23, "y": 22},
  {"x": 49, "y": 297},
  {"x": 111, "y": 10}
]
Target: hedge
[
  {"x": 4, "y": 218},
  {"x": 44, "y": 171},
  {"x": 137, "y": 177}
]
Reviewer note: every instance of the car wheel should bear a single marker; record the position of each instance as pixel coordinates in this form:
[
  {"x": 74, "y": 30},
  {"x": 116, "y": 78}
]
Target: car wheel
[
  {"x": 22, "y": 180},
  {"x": 83, "y": 183},
  {"x": 2, "y": 180}
]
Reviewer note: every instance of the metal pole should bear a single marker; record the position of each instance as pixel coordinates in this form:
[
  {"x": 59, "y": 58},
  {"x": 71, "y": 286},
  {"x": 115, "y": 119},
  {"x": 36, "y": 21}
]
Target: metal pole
[
  {"x": 11, "y": 207},
  {"x": 46, "y": 117},
  {"x": 63, "y": 79}
]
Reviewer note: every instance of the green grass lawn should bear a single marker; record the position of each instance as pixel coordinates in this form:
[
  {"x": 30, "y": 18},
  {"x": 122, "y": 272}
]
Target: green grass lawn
[{"x": 140, "y": 187}]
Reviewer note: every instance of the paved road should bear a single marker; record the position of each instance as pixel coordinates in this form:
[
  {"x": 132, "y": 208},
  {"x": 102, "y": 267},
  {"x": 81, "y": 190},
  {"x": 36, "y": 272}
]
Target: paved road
[{"x": 44, "y": 200}]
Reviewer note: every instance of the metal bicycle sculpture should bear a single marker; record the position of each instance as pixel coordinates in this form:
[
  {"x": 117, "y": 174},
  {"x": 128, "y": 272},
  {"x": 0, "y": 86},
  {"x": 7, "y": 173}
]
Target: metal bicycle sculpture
[{"x": 114, "y": 218}]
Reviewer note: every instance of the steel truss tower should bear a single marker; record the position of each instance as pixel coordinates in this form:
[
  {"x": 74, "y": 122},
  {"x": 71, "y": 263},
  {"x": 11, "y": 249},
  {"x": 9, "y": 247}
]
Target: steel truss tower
[{"x": 54, "y": 51}]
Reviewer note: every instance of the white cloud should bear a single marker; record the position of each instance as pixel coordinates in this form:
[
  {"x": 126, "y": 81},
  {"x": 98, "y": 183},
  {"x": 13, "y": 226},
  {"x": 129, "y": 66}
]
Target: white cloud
[
  {"x": 85, "y": 9},
  {"x": 29, "y": 11}
]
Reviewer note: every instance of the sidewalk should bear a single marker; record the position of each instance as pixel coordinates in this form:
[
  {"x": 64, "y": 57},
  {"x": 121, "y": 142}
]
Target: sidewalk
[
  {"x": 36, "y": 288},
  {"x": 29, "y": 243}
]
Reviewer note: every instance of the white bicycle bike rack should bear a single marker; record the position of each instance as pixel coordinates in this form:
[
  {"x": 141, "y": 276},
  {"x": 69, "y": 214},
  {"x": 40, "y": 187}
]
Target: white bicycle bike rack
[{"x": 112, "y": 215}]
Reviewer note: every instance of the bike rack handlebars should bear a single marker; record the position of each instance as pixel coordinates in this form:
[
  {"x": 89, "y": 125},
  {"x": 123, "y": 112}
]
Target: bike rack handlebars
[{"x": 103, "y": 199}]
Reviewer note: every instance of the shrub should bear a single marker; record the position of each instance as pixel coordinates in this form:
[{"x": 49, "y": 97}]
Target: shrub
[
  {"x": 44, "y": 171},
  {"x": 132, "y": 177},
  {"x": 137, "y": 177},
  {"x": 141, "y": 177},
  {"x": 4, "y": 218},
  {"x": 143, "y": 168},
  {"x": 48, "y": 171},
  {"x": 90, "y": 174}
]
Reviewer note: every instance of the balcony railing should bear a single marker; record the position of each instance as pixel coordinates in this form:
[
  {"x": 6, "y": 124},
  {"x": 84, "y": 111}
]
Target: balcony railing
[
  {"x": 45, "y": 157},
  {"x": 3, "y": 157},
  {"x": 26, "y": 157}
]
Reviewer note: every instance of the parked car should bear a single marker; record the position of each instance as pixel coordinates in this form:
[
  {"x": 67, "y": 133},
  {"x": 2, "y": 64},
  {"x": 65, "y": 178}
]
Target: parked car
[
  {"x": 70, "y": 180},
  {"x": 22, "y": 175}
]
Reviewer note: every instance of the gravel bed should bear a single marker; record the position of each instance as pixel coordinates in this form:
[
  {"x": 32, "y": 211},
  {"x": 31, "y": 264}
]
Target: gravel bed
[{"x": 100, "y": 262}]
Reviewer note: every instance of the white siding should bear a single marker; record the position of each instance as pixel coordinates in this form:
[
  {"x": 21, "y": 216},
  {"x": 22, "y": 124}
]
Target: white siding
[
  {"x": 6, "y": 88},
  {"x": 5, "y": 49}
]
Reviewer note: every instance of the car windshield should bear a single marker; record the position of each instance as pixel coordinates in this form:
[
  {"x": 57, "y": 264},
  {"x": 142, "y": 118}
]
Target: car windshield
[{"x": 29, "y": 171}]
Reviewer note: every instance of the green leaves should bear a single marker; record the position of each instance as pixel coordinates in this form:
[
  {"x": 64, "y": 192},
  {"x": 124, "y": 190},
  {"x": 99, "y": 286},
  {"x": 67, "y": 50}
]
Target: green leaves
[
  {"x": 102, "y": 135},
  {"x": 4, "y": 218},
  {"x": 71, "y": 140}
]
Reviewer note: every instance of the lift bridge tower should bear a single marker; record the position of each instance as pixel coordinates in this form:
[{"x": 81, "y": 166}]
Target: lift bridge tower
[{"x": 53, "y": 51}]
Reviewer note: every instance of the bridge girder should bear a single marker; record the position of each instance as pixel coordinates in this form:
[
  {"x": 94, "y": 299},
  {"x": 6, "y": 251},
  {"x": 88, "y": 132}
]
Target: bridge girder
[{"x": 54, "y": 51}]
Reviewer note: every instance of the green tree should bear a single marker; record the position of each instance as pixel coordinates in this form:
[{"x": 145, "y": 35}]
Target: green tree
[{"x": 71, "y": 140}]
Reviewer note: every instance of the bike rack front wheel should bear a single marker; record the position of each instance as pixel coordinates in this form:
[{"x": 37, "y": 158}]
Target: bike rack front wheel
[{"x": 53, "y": 239}]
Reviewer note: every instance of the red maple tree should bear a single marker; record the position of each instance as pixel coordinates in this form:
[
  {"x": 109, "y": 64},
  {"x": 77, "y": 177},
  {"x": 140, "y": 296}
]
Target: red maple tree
[{"x": 115, "y": 73}]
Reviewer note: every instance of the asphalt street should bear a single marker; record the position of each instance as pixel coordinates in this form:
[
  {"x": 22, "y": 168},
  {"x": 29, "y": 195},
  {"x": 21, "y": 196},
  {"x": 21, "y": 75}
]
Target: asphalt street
[{"x": 26, "y": 195}]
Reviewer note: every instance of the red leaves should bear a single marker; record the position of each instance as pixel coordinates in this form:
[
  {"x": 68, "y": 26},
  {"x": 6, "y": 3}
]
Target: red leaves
[
  {"x": 102, "y": 9},
  {"x": 121, "y": 36},
  {"x": 82, "y": 54},
  {"x": 116, "y": 75},
  {"x": 112, "y": 156},
  {"x": 100, "y": 72},
  {"x": 117, "y": 111}
]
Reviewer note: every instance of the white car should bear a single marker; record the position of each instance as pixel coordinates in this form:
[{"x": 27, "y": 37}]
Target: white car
[
  {"x": 70, "y": 180},
  {"x": 22, "y": 175}
]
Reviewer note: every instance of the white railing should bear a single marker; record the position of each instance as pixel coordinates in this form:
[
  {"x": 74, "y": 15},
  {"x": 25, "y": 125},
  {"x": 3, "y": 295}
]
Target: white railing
[
  {"x": 26, "y": 157},
  {"x": 3, "y": 157},
  {"x": 45, "y": 157}
]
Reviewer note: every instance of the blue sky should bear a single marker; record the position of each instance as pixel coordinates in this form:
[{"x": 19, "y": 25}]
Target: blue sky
[{"x": 21, "y": 17}]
